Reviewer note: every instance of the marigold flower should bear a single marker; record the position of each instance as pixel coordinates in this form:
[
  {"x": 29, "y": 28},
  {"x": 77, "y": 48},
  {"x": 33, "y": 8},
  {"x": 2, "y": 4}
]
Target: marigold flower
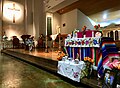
[{"x": 88, "y": 59}]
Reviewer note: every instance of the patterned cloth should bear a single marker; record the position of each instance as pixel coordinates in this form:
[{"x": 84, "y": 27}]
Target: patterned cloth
[
  {"x": 107, "y": 49},
  {"x": 70, "y": 69}
]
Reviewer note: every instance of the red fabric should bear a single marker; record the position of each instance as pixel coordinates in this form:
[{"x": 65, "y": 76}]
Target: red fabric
[
  {"x": 89, "y": 33},
  {"x": 79, "y": 35}
]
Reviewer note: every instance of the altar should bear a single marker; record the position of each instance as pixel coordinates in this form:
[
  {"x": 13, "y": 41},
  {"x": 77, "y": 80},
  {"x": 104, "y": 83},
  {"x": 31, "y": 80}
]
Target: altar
[
  {"x": 85, "y": 47},
  {"x": 70, "y": 69}
]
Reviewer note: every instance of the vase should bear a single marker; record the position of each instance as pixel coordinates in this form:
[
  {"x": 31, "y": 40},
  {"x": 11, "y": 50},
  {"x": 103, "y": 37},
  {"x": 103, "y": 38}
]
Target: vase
[
  {"x": 89, "y": 72},
  {"x": 89, "y": 69}
]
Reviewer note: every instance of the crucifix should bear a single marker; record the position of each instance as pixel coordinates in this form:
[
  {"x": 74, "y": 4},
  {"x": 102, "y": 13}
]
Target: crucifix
[{"x": 14, "y": 9}]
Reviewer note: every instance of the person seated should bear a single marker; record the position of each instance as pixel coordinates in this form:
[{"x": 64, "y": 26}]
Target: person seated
[{"x": 40, "y": 41}]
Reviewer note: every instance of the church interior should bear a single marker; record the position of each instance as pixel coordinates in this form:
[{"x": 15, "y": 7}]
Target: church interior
[{"x": 74, "y": 43}]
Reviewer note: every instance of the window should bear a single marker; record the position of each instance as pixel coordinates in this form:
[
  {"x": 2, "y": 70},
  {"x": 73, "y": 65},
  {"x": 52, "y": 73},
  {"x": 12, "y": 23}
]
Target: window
[
  {"x": 111, "y": 34},
  {"x": 116, "y": 35}
]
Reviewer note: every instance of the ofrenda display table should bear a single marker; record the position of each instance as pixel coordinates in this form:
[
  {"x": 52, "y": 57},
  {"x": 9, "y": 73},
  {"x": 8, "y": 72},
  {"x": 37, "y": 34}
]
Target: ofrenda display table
[
  {"x": 85, "y": 47},
  {"x": 70, "y": 69}
]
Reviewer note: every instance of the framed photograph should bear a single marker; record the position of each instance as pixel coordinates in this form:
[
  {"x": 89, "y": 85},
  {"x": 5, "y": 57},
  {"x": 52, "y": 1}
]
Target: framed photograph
[
  {"x": 109, "y": 79},
  {"x": 117, "y": 80}
]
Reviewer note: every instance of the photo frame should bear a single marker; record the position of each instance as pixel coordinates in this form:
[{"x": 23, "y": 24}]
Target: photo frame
[{"x": 109, "y": 79}]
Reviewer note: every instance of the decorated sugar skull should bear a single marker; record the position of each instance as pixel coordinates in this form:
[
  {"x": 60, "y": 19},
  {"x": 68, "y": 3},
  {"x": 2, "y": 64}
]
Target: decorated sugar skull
[{"x": 98, "y": 34}]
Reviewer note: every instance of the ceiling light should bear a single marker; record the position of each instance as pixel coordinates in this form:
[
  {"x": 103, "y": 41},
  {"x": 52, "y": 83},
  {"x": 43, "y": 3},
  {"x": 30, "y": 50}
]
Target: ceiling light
[{"x": 105, "y": 16}]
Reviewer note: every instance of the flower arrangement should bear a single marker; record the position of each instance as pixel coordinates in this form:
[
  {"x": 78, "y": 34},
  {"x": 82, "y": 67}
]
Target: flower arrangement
[
  {"x": 88, "y": 69},
  {"x": 88, "y": 59},
  {"x": 83, "y": 30},
  {"x": 29, "y": 42},
  {"x": 60, "y": 56},
  {"x": 97, "y": 26}
]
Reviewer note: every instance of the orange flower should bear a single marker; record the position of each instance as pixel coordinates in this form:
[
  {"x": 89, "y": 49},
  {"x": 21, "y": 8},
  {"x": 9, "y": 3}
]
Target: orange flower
[
  {"x": 85, "y": 59},
  {"x": 91, "y": 60},
  {"x": 88, "y": 59},
  {"x": 61, "y": 56}
]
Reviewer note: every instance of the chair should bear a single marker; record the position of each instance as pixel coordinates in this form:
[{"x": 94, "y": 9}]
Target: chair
[
  {"x": 40, "y": 41},
  {"x": 15, "y": 42}
]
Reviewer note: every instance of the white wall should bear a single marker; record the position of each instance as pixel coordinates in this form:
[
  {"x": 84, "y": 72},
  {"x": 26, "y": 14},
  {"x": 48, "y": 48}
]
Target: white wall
[
  {"x": 38, "y": 18},
  {"x": 0, "y": 20},
  {"x": 83, "y": 21},
  {"x": 74, "y": 19},
  {"x": 56, "y": 22},
  {"x": 14, "y": 29},
  {"x": 70, "y": 21},
  {"x": 30, "y": 18},
  {"x": 35, "y": 20},
  {"x": 0, "y": 29}
]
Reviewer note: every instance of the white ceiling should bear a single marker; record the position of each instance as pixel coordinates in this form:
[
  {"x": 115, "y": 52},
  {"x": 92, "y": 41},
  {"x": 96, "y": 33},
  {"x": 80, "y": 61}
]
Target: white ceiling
[
  {"x": 99, "y": 17},
  {"x": 104, "y": 18},
  {"x": 107, "y": 17}
]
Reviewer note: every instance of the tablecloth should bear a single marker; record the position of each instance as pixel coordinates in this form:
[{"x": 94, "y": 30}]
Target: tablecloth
[{"x": 70, "y": 69}]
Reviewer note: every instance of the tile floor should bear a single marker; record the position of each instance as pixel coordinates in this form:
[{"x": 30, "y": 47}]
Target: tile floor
[{"x": 18, "y": 74}]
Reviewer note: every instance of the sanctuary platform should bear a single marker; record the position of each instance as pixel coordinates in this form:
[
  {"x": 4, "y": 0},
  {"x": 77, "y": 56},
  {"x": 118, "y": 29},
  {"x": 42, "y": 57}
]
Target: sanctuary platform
[{"x": 47, "y": 61}]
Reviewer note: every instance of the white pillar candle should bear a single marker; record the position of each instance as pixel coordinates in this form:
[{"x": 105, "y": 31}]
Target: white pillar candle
[{"x": 92, "y": 33}]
